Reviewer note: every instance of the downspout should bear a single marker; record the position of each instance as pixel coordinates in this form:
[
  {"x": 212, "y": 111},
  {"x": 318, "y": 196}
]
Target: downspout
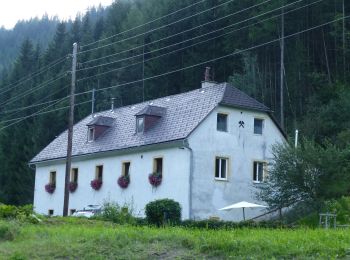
[{"x": 187, "y": 146}]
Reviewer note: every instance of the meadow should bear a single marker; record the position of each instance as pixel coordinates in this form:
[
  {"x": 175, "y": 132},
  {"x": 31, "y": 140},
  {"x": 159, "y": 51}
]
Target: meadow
[{"x": 90, "y": 239}]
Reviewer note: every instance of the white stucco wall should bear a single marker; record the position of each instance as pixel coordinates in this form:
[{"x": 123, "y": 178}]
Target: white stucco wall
[
  {"x": 242, "y": 147},
  {"x": 175, "y": 183}
]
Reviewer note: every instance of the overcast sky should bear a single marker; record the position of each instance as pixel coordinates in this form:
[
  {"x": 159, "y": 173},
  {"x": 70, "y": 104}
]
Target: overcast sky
[{"x": 13, "y": 10}]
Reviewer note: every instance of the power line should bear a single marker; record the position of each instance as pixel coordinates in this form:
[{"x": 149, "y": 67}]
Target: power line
[
  {"x": 179, "y": 33},
  {"x": 36, "y": 104},
  {"x": 224, "y": 56},
  {"x": 163, "y": 26},
  {"x": 26, "y": 93},
  {"x": 205, "y": 34},
  {"x": 210, "y": 39},
  {"x": 32, "y": 75},
  {"x": 185, "y": 68},
  {"x": 141, "y": 25},
  {"x": 20, "y": 119}
]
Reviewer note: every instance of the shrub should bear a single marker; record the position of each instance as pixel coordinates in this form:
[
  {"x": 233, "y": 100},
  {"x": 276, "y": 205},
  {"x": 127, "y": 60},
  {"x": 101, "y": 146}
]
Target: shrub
[
  {"x": 117, "y": 214},
  {"x": 165, "y": 211},
  {"x": 8, "y": 211},
  {"x": 8, "y": 231}
]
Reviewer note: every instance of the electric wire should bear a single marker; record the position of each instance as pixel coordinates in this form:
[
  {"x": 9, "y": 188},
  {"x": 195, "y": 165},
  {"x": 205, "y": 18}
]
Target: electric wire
[
  {"x": 161, "y": 27},
  {"x": 8, "y": 87},
  {"x": 141, "y": 25},
  {"x": 206, "y": 34},
  {"x": 179, "y": 33},
  {"x": 201, "y": 42},
  {"x": 224, "y": 56},
  {"x": 36, "y": 104},
  {"x": 180, "y": 69},
  {"x": 30, "y": 91}
]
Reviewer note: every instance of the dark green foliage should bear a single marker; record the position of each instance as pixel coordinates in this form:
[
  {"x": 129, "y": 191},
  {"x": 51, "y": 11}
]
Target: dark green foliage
[
  {"x": 216, "y": 224},
  {"x": 163, "y": 212},
  {"x": 12, "y": 212},
  {"x": 316, "y": 68},
  {"x": 8, "y": 230},
  {"x": 116, "y": 214},
  {"x": 310, "y": 174}
]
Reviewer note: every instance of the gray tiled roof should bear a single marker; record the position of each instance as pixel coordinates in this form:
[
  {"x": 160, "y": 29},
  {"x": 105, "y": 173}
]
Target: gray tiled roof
[
  {"x": 102, "y": 121},
  {"x": 184, "y": 112},
  {"x": 152, "y": 111}
]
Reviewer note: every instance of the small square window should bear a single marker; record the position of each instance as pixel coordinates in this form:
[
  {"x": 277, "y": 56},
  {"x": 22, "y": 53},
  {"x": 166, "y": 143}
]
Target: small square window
[
  {"x": 74, "y": 175},
  {"x": 259, "y": 172},
  {"x": 140, "y": 123},
  {"x": 50, "y": 212},
  {"x": 91, "y": 134},
  {"x": 221, "y": 122},
  {"x": 126, "y": 169},
  {"x": 258, "y": 126},
  {"x": 221, "y": 168},
  {"x": 72, "y": 211},
  {"x": 53, "y": 177},
  {"x": 158, "y": 166},
  {"x": 99, "y": 172}
]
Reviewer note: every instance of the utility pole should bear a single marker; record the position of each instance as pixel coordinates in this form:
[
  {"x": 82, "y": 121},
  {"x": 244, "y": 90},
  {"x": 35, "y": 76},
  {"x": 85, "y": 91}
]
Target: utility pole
[
  {"x": 344, "y": 42},
  {"x": 93, "y": 102},
  {"x": 70, "y": 131},
  {"x": 282, "y": 69}
]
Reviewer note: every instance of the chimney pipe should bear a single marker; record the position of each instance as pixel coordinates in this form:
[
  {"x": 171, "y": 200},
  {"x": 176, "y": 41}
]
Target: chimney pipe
[
  {"x": 112, "y": 104},
  {"x": 207, "y": 83},
  {"x": 207, "y": 74}
]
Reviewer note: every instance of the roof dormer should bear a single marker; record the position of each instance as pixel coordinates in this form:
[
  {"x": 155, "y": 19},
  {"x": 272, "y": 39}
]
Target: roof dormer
[
  {"x": 98, "y": 126},
  {"x": 148, "y": 117}
]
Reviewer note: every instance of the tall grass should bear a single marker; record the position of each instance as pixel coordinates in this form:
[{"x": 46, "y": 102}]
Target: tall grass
[{"x": 102, "y": 240}]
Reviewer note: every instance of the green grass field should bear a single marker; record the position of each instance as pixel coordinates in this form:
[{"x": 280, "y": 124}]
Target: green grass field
[{"x": 83, "y": 239}]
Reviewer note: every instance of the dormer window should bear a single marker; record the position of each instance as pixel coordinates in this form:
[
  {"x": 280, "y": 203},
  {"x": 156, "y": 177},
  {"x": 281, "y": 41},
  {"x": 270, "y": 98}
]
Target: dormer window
[
  {"x": 148, "y": 117},
  {"x": 98, "y": 126},
  {"x": 91, "y": 134},
  {"x": 140, "y": 124}
]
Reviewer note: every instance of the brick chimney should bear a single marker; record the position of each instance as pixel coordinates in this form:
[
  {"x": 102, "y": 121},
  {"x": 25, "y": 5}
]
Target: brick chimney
[{"x": 207, "y": 82}]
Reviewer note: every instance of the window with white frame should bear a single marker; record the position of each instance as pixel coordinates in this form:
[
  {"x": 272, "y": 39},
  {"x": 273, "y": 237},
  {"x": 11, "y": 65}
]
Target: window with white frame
[
  {"x": 140, "y": 124},
  {"x": 259, "y": 172},
  {"x": 91, "y": 134},
  {"x": 221, "y": 168},
  {"x": 258, "y": 126},
  {"x": 221, "y": 122},
  {"x": 126, "y": 169}
]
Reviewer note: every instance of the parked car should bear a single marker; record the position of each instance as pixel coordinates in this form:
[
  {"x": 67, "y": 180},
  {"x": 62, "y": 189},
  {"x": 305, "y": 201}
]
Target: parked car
[{"x": 88, "y": 211}]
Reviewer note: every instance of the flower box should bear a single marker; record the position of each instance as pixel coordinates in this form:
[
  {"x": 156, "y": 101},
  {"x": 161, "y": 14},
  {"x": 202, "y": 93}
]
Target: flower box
[
  {"x": 96, "y": 184},
  {"x": 123, "y": 181},
  {"x": 50, "y": 187},
  {"x": 155, "y": 179},
  {"x": 72, "y": 186}
]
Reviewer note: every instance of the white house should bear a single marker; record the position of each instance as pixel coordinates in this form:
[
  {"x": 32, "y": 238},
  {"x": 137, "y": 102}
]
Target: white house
[{"x": 210, "y": 147}]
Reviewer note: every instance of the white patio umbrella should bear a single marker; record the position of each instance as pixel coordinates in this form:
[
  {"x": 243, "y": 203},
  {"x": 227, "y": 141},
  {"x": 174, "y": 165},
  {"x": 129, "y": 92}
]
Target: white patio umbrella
[{"x": 243, "y": 205}]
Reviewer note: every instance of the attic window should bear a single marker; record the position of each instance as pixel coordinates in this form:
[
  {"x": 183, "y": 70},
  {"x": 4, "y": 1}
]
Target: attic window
[
  {"x": 221, "y": 122},
  {"x": 140, "y": 123},
  {"x": 258, "y": 126},
  {"x": 91, "y": 133}
]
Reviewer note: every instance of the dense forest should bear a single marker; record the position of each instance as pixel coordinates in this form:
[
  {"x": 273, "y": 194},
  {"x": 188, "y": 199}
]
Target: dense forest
[
  {"x": 39, "y": 31},
  {"x": 136, "y": 50}
]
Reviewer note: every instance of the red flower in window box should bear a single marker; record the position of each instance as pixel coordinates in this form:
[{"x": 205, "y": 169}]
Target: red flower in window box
[
  {"x": 96, "y": 184},
  {"x": 155, "y": 179},
  {"x": 50, "y": 187},
  {"x": 72, "y": 186},
  {"x": 124, "y": 181}
]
